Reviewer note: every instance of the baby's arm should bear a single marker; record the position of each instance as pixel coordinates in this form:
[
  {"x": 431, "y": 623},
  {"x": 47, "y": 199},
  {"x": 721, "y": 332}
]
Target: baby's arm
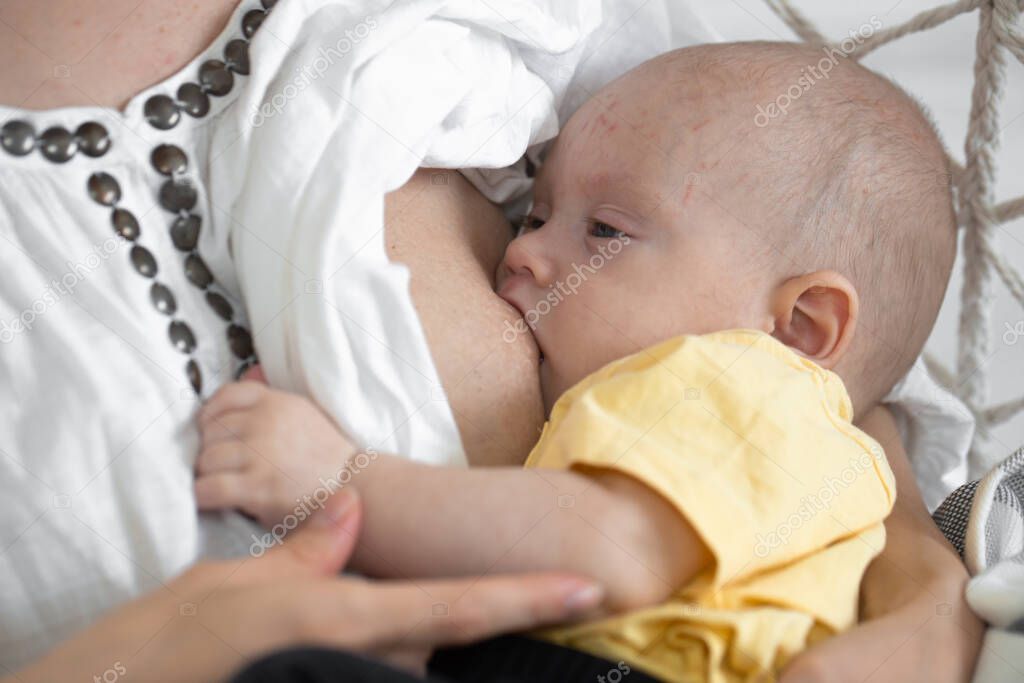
[{"x": 431, "y": 521}]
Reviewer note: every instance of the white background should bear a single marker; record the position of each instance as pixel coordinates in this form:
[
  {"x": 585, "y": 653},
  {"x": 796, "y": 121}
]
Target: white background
[{"x": 937, "y": 67}]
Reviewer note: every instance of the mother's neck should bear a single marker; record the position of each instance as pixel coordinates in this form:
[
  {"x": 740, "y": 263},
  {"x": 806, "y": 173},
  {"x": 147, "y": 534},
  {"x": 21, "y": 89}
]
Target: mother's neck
[{"x": 63, "y": 53}]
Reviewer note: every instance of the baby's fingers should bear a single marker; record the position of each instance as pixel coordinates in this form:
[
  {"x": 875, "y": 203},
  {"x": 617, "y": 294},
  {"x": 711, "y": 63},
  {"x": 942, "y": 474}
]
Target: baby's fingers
[
  {"x": 223, "y": 457},
  {"x": 230, "y": 398},
  {"x": 255, "y": 374},
  {"x": 232, "y": 427},
  {"x": 222, "y": 490}
]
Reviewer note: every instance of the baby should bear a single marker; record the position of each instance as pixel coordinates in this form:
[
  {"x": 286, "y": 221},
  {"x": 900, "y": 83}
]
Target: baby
[{"x": 715, "y": 294}]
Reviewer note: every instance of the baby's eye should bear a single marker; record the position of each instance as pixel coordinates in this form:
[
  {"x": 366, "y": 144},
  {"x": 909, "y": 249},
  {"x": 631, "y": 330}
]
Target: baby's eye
[
  {"x": 605, "y": 231},
  {"x": 528, "y": 222}
]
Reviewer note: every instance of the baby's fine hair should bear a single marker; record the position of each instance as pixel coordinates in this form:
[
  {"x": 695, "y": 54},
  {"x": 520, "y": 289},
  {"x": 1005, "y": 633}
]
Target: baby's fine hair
[{"x": 856, "y": 180}]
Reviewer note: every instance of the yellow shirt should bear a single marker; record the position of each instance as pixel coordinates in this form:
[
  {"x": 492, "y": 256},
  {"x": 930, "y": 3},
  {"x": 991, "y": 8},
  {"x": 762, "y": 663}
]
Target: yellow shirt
[{"x": 754, "y": 446}]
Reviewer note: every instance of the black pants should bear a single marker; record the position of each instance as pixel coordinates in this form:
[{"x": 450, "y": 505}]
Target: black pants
[{"x": 510, "y": 659}]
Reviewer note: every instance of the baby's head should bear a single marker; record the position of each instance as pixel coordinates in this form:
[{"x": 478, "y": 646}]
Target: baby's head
[{"x": 674, "y": 202}]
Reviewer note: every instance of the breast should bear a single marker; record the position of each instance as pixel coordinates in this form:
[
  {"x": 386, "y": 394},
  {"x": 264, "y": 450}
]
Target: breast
[{"x": 452, "y": 238}]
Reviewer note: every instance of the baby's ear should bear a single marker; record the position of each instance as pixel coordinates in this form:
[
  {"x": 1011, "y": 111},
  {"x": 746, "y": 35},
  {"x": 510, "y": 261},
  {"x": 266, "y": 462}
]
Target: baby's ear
[{"x": 815, "y": 315}]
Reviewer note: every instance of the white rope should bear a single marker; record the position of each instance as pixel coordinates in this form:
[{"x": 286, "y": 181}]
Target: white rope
[
  {"x": 797, "y": 22},
  {"x": 978, "y": 213},
  {"x": 921, "y": 22},
  {"x": 939, "y": 372},
  {"x": 1007, "y": 211},
  {"x": 978, "y": 292},
  {"x": 1003, "y": 412}
]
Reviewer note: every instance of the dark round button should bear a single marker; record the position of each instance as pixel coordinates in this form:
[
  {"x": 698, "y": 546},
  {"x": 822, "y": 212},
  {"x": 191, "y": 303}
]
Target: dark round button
[
  {"x": 57, "y": 144},
  {"x": 181, "y": 336},
  {"x": 185, "y": 232},
  {"x": 215, "y": 77},
  {"x": 268, "y": 4},
  {"x": 236, "y": 54},
  {"x": 18, "y": 138},
  {"x": 163, "y": 299},
  {"x": 251, "y": 22},
  {"x": 195, "y": 378},
  {"x": 177, "y": 195},
  {"x": 93, "y": 139},
  {"x": 168, "y": 159},
  {"x": 220, "y": 305},
  {"x": 104, "y": 189},
  {"x": 161, "y": 112},
  {"x": 125, "y": 224},
  {"x": 193, "y": 100},
  {"x": 143, "y": 261},
  {"x": 197, "y": 272},
  {"x": 239, "y": 341}
]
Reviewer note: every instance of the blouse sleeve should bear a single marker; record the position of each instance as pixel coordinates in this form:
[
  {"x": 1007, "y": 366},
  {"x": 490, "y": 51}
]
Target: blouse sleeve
[{"x": 752, "y": 444}]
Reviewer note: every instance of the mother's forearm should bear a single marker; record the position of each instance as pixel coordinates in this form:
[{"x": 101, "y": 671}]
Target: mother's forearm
[
  {"x": 915, "y": 624},
  {"x": 917, "y": 560},
  {"x": 918, "y": 580}
]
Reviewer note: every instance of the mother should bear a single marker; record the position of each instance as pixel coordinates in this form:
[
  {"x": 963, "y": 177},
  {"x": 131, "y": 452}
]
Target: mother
[{"x": 98, "y": 410}]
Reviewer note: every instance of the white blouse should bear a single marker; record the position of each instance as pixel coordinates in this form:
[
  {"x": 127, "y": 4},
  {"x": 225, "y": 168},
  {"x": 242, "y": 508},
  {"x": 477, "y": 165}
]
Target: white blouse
[
  {"x": 107, "y": 343},
  {"x": 128, "y": 239}
]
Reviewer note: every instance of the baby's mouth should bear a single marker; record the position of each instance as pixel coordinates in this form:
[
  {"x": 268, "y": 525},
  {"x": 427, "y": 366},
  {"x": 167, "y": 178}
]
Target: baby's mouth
[{"x": 505, "y": 292}]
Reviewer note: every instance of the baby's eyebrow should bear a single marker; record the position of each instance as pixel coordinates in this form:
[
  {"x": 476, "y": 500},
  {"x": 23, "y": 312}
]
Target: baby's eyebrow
[{"x": 620, "y": 184}]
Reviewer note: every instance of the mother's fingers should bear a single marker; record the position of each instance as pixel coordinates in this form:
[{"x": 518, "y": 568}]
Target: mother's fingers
[
  {"x": 435, "y": 613},
  {"x": 279, "y": 600},
  {"x": 412, "y": 659},
  {"x": 319, "y": 546}
]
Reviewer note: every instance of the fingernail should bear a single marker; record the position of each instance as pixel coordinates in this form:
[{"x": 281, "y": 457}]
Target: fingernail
[
  {"x": 337, "y": 508},
  {"x": 254, "y": 374},
  {"x": 584, "y": 598}
]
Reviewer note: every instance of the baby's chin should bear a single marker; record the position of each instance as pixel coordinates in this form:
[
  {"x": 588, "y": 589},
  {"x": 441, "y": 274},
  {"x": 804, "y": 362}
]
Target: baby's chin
[{"x": 554, "y": 384}]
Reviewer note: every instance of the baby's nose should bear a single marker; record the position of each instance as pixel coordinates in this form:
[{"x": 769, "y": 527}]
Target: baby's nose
[{"x": 525, "y": 255}]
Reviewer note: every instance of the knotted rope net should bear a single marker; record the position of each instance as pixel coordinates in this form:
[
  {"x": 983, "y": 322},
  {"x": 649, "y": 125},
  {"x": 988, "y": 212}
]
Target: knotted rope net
[{"x": 979, "y": 213}]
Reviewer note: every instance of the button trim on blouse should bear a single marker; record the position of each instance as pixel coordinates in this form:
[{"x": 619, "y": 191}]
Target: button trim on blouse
[{"x": 177, "y": 194}]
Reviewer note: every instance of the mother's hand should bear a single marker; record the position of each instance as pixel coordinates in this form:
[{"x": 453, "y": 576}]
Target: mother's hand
[
  {"x": 916, "y": 625},
  {"x": 216, "y": 617}
]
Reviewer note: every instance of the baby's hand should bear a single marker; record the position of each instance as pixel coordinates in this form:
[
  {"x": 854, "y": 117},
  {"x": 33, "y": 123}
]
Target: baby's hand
[{"x": 263, "y": 450}]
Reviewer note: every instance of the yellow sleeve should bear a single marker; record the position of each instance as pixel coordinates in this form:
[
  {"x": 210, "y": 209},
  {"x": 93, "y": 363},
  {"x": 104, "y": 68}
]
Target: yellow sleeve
[{"x": 751, "y": 443}]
